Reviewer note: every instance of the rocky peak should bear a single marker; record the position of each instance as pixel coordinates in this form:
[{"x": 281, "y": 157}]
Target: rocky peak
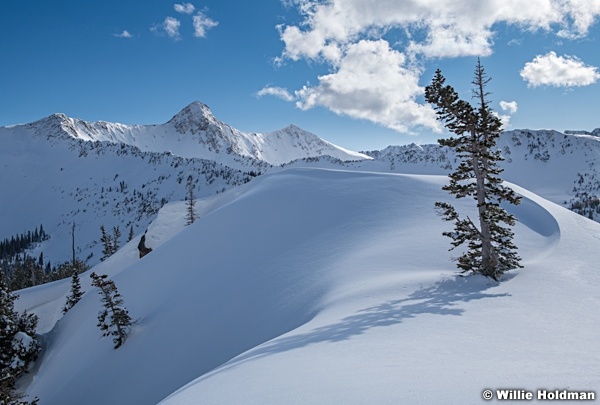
[{"x": 194, "y": 118}]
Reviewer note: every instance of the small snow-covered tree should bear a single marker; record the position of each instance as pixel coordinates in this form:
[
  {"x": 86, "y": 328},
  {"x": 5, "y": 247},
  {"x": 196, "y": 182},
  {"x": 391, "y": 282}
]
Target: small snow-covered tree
[
  {"x": 76, "y": 292},
  {"x": 491, "y": 250},
  {"x": 114, "y": 319},
  {"x": 190, "y": 201},
  {"x": 106, "y": 240},
  {"x": 18, "y": 345}
]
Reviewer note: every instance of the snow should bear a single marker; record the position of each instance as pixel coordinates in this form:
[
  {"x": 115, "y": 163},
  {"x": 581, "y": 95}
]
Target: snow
[
  {"x": 326, "y": 280},
  {"x": 327, "y": 286},
  {"x": 194, "y": 132}
]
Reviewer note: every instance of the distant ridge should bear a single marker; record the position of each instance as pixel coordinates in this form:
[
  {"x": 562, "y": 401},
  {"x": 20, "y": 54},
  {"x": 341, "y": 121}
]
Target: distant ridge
[{"x": 195, "y": 132}]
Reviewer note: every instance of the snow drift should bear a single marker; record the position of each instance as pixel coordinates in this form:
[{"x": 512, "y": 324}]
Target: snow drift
[{"x": 323, "y": 286}]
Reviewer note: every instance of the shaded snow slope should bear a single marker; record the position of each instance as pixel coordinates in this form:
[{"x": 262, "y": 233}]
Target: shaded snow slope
[
  {"x": 321, "y": 286},
  {"x": 55, "y": 182},
  {"x": 425, "y": 338}
]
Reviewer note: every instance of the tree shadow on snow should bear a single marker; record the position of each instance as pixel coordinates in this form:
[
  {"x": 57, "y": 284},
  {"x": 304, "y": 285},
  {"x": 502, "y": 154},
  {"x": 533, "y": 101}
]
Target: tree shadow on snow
[{"x": 439, "y": 299}]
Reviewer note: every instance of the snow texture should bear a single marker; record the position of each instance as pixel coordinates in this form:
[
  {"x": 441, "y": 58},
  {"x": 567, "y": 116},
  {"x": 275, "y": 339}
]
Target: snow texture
[{"x": 323, "y": 286}]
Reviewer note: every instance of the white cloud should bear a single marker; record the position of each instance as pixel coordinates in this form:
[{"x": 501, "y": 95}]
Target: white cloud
[
  {"x": 201, "y": 24},
  {"x": 278, "y": 92},
  {"x": 383, "y": 86},
  {"x": 581, "y": 15},
  {"x": 558, "y": 71},
  {"x": 458, "y": 28},
  {"x": 185, "y": 8},
  {"x": 453, "y": 41},
  {"x": 124, "y": 34},
  {"x": 510, "y": 106},
  {"x": 372, "y": 83},
  {"x": 170, "y": 27}
]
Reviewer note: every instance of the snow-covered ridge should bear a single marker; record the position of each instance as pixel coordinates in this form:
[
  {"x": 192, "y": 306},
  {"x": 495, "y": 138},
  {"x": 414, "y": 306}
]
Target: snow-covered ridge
[
  {"x": 562, "y": 167},
  {"x": 277, "y": 296},
  {"x": 194, "y": 132},
  {"x": 595, "y": 132}
]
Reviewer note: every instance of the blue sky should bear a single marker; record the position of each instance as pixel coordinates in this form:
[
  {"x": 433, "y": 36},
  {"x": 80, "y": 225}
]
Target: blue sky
[{"x": 350, "y": 71}]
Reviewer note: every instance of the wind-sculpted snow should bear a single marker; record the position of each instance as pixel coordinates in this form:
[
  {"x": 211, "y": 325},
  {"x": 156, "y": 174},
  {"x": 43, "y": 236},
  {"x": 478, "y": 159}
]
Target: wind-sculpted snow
[
  {"x": 405, "y": 337},
  {"x": 317, "y": 286}
]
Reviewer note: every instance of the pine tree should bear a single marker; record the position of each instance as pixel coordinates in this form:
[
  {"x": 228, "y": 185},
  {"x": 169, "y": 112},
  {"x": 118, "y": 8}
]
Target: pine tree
[
  {"x": 76, "y": 292},
  {"x": 18, "y": 345},
  {"x": 190, "y": 201},
  {"x": 110, "y": 243},
  {"x": 131, "y": 234},
  {"x": 114, "y": 319},
  {"x": 106, "y": 244},
  {"x": 490, "y": 247},
  {"x": 115, "y": 239}
]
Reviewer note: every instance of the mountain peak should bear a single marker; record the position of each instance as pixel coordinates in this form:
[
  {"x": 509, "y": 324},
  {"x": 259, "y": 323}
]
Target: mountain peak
[
  {"x": 195, "y": 117},
  {"x": 56, "y": 118}
]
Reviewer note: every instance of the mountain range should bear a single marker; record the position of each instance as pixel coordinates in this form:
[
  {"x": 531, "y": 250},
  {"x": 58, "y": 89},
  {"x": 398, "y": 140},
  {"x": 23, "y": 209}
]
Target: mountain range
[
  {"x": 59, "y": 170},
  {"x": 194, "y": 132}
]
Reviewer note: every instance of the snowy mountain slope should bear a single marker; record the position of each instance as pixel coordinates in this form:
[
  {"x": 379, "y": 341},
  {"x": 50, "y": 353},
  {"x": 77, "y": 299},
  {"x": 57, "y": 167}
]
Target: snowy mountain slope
[
  {"x": 321, "y": 286},
  {"x": 59, "y": 170},
  {"x": 194, "y": 132},
  {"x": 563, "y": 168},
  {"x": 437, "y": 342},
  {"x": 55, "y": 182}
]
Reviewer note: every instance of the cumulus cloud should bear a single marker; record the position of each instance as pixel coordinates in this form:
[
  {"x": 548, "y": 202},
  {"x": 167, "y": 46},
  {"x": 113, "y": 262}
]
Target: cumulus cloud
[
  {"x": 124, "y": 34},
  {"x": 169, "y": 26},
  {"x": 185, "y": 8},
  {"x": 558, "y": 71},
  {"x": 510, "y": 106},
  {"x": 373, "y": 83},
  {"x": 459, "y": 28},
  {"x": 201, "y": 24},
  {"x": 278, "y": 92},
  {"x": 381, "y": 86}
]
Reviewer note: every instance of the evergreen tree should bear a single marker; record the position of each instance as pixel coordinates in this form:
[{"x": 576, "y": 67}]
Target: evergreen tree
[
  {"x": 490, "y": 247},
  {"x": 107, "y": 245},
  {"x": 110, "y": 243},
  {"x": 76, "y": 292},
  {"x": 131, "y": 234},
  {"x": 115, "y": 239},
  {"x": 114, "y": 319},
  {"x": 73, "y": 259},
  {"x": 18, "y": 345},
  {"x": 66, "y": 269},
  {"x": 190, "y": 201},
  {"x": 25, "y": 272}
]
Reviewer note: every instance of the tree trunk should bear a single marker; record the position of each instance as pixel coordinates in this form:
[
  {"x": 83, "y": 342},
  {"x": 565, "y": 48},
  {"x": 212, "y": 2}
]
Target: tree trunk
[{"x": 488, "y": 261}]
